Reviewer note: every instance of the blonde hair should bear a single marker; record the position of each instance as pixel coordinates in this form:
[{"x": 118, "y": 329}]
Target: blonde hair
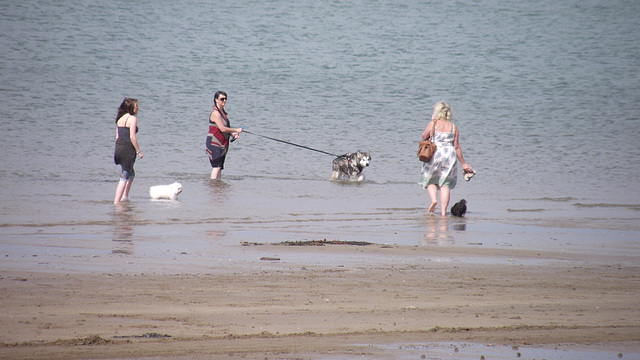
[{"x": 442, "y": 111}]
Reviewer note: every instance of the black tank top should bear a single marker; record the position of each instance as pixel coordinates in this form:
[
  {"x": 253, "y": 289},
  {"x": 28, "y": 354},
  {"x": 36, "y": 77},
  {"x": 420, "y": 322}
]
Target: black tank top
[{"x": 124, "y": 133}]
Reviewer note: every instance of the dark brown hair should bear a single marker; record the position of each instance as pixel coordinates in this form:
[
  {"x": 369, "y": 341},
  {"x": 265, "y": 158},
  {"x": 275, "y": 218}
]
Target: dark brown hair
[{"x": 128, "y": 106}]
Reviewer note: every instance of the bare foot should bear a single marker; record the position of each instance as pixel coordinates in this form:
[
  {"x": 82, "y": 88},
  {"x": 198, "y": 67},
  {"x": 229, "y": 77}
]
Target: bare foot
[{"x": 432, "y": 208}]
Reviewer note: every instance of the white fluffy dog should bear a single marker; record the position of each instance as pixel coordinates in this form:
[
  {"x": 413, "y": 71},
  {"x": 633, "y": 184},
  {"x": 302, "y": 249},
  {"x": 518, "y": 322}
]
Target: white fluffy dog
[{"x": 169, "y": 192}]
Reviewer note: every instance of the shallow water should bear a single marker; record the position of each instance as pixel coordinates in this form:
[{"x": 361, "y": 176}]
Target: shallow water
[
  {"x": 462, "y": 351},
  {"x": 546, "y": 96},
  {"x": 470, "y": 351}
]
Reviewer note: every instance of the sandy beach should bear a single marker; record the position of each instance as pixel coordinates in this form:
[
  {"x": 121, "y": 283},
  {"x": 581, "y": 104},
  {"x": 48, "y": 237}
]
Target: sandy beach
[
  {"x": 276, "y": 307},
  {"x": 545, "y": 101}
]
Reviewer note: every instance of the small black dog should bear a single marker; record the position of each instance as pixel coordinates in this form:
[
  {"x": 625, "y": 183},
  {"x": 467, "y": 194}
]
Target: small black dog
[{"x": 459, "y": 208}]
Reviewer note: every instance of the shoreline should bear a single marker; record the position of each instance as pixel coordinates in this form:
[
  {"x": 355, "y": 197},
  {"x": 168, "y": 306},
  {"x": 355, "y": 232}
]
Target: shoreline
[
  {"x": 195, "y": 248},
  {"x": 167, "y": 260},
  {"x": 304, "y": 308}
]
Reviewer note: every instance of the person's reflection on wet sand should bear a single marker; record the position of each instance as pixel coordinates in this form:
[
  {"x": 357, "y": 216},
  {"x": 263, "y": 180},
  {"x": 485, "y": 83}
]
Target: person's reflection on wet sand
[
  {"x": 437, "y": 231},
  {"x": 124, "y": 221}
]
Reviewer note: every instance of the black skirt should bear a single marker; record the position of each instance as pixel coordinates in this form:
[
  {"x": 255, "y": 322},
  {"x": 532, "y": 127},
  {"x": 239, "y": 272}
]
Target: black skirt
[{"x": 125, "y": 155}]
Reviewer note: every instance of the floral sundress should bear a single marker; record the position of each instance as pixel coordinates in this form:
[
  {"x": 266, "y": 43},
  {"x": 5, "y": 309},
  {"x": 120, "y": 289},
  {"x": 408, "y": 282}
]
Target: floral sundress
[{"x": 441, "y": 169}]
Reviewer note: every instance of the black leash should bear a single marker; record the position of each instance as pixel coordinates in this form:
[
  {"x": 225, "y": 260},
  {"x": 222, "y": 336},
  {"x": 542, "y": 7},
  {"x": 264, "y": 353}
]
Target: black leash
[{"x": 290, "y": 143}]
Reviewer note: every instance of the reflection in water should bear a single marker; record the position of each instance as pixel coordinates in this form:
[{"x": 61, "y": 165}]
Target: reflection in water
[
  {"x": 438, "y": 232},
  {"x": 219, "y": 190},
  {"x": 460, "y": 227},
  {"x": 217, "y": 233},
  {"x": 123, "y": 221}
]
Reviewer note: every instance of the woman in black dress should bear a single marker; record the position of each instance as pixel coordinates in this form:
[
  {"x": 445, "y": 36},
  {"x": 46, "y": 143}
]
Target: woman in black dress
[{"x": 126, "y": 147}]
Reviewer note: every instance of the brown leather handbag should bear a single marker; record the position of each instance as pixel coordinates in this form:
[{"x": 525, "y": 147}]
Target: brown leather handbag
[{"x": 427, "y": 148}]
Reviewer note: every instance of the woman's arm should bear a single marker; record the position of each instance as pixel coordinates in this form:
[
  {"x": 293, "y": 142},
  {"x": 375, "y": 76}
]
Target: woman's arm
[
  {"x": 217, "y": 118},
  {"x": 133, "y": 126},
  {"x": 456, "y": 145}
]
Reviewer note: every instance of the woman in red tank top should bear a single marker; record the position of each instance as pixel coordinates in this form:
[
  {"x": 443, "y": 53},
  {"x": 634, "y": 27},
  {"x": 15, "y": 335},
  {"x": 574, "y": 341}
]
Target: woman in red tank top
[{"x": 219, "y": 132}]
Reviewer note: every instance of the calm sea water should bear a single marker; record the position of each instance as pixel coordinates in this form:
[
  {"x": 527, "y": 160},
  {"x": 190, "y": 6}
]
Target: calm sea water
[{"x": 546, "y": 95}]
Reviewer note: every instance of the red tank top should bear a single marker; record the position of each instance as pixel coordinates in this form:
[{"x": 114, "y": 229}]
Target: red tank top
[{"x": 218, "y": 138}]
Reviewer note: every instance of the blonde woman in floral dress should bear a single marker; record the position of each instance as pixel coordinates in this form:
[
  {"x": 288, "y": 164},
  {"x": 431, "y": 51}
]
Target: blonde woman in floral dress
[{"x": 441, "y": 173}]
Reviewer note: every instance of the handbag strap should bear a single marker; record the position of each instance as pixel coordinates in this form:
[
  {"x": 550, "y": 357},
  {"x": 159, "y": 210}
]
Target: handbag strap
[{"x": 433, "y": 130}]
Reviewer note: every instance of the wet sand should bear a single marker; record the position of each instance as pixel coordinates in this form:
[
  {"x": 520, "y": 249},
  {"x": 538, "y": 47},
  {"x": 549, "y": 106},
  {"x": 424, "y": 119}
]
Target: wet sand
[{"x": 281, "y": 304}]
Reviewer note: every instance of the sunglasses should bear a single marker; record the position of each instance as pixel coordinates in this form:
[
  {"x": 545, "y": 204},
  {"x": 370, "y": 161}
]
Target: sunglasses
[{"x": 222, "y": 99}]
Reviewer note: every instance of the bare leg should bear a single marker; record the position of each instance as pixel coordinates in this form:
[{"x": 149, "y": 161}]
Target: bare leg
[
  {"x": 127, "y": 188},
  {"x": 120, "y": 190},
  {"x": 216, "y": 173},
  {"x": 433, "y": 194},
  {"x": 445, "y": 193}
]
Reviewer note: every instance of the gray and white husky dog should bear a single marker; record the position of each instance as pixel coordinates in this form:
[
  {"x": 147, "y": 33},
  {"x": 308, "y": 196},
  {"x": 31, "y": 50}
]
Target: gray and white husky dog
[{"x": 349, "y": 166}]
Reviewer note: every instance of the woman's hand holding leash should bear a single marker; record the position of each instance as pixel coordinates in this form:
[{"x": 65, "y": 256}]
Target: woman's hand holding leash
[{"x": 236, "y": 134}]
